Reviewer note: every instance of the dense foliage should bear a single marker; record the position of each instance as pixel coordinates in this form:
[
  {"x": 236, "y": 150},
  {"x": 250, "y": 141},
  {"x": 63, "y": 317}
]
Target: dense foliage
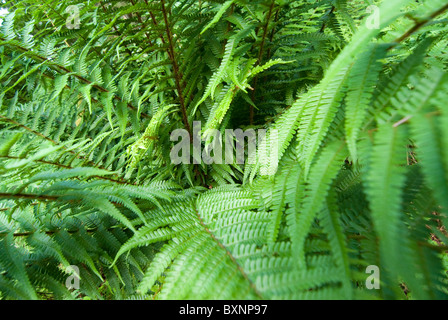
[{"x": 357, "y": 95}]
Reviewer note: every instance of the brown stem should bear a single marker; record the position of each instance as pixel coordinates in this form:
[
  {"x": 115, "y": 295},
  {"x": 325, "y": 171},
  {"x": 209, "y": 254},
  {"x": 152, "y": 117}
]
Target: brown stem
[
  {"x": 229, "y": 254},
  {"x": 177, "y": 75},
  {"x": 442, "y": 248},
  {"x": 28, "y": 196},
  {"x": 260, "y": 57},
  {"x": 144, "y": 115},
  {"x": 324, "y": 25},
  {"x": 28, "y": 129},
  {"x": 62, "y": 166},
  {"x": 50, "y": 233},
  {"x": 421, "y": 24},
  {"x": 59, "y": 68},
  {"x": 142, "y": 23},
  {"x": 271, "y": 38},
  {"x": 49, "y": 139},
  {"x": 39, "y": 197},
  {"x": 116, "y": 30}
]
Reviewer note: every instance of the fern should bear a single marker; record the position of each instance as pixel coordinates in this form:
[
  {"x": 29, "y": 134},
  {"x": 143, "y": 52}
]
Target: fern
[{"x": 356, "y": 115}]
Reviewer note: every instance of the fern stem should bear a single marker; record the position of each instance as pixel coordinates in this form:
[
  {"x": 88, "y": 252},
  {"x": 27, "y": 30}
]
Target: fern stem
[
  {"x": 28, "y": 196},
  {"x": 59, "y": 68},
  {"x": 324, "y": 24},
  {"x": 39, "y": 197},
  {"x": 229, "y": 254},
  {"x": 116, "y": 30},
  {"x": 271, "y": 37},
  {"x": 144, "y": 115},
  {"x": 63, "y": 166},
  {"x": 265, "y": 32},
  {"x": 259, "y": 59},
  {"x": 40, "y": 161},
  {"x": 27, "y": 128},
  {"x": 50, "y": 233},
  {"x": 51, "y": 140},
  {"x": 177, "y": 76},
  {"x": 54, "y": 26},
  {"x": 9, "y": 208},
  {"x": 441, "y": 248},
  {"x": 421, "y": 24},
  {"x": 80, "y": 34},
  {"x": 142, "y": 23}
]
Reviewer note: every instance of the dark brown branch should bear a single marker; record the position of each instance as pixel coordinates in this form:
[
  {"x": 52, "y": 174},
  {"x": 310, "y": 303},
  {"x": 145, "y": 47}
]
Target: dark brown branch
[
  {"x": 28, "y": 196},
  {"x": 144, "y": 115},
  {"x": 143, "y": 26},
  {"x": 260, "y": 57},
  {"x": 324, "y": 25},
  {"x": 80, "y": 34},
  {"x": 50, "y": 233},
  {"x": 177, "y": 75},
  {"x": 28, "y": 129},
  {"x": 39, "y": 197},
  {"x": 441, "y": 248},
  {"x": 59, "y": 68},
  {"x": 271, "y": 38},
  {"x": 421, "y": 23},
  {"x": 51, "y": 140},
  {"x": 116, "y": 30},
  {"x": 62, "y": 166},
  {"x": 9, "y": 208}
]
